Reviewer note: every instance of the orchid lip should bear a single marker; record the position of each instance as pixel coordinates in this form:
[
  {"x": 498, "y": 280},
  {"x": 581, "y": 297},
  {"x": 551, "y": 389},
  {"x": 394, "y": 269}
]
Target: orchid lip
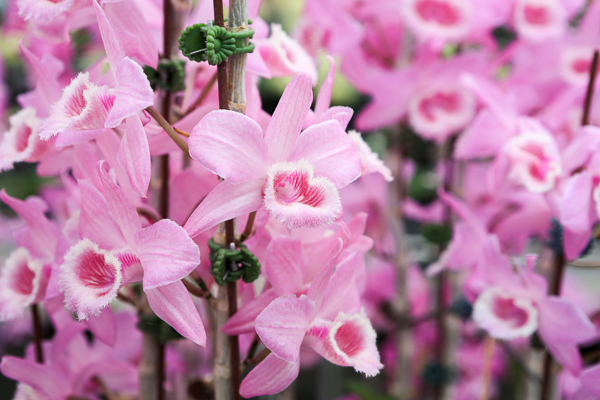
[
  {"x": 298, "y": 199},
  {"x": 90, "y": 278}
]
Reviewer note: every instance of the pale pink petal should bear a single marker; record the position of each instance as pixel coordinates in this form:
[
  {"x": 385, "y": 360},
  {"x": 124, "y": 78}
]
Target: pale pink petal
[
  {"x": 284, "y": 127},
  {"x": 494, "y": 98},
  {"x": 341, "y": 114},
  {"x": 574, "y": 213},
  {"x": 22, "y": 283},
  {"x": 484, "y": 137},
  {"x": 243, "y": 320},
  {"x": 505, "y": 316},
  {"x": 342, "y": 293},
  {"x": 225, "y": 202},
  {"x": 90, "y": 278},
  {"x": 166, "y": 252},
  {"x": 122, "y": 210},
  {"x": 112, "y": 45},
  {"x": 95, "y": 222},
  {"x": 331, "y": 152},
  {"x": 284, "y": 56},
  {"x": 297, "y": 199},
  {"x": 271, "y": 376},
  {"x": 103, "y": 326},
  {"x": 83, "y": 106},
  {"x": 173, "y": 304},
  {"x": 133, "y": 92},
  {"x": 256, "y": 65},
  {"x": 48, "y": 89},
  {"x": 230, "y": 145},
  {"x": 285, "y": 265},
  {"x": 324, "y": 98},
  {"x": 369, "y": 160},
  {"x": 43, "y": 235},
  {"x": 282, "y": 325},
  {"x": 47, "y": 380},
  {"x": 134, "y": 155},
  {"x": 318, "y": 288},
  {"x": 133, "y": 31},
  {"x": 590, "y": 379},
  {"x": 43, "y": 10},
  {"x": 562, "y": 327}
]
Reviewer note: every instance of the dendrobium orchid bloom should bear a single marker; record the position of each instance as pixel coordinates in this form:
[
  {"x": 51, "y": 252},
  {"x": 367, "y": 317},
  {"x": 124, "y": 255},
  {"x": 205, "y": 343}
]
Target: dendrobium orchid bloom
[
  {"x": 21, "y": 142},
  {"x": 514, "y": 304},
  {"x": 116, "y": 251},
  {"x": 295, "y": 176},
  {"x": 86, "y": 109},
  {"x": 343, "y": 337},
  {"x": 534, "y": 157},
  {"x": 23, "y": 282}
]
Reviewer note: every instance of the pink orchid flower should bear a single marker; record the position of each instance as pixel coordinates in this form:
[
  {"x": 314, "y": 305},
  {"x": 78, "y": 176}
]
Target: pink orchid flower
[
  {"x": 87, "y": 109},
  {"x": 116, "y": 251},
  {"x": 292, "y": 263},
  {"x": 284, "y": 56},
  {"x": 71, "y": 362},
  {"x": 515, "y": 304},
  {"x": 295, "y": 176},
  {"x": 290, "y": 323},
  {"x": 21, "y": 142}
]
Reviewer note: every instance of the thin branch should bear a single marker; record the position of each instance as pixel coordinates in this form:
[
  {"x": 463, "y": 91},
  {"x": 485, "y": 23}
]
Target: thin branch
[
  {"x": 198, "y": 292},
  {"x": 37, "y": 333},
  {"x": 488, "y": 356},
  {"x": 182, "y": 133},
  {"x": 149, "y": 215},
  {"x": 587, "y": 106},
  {"x": 248, "y": 230},
  {"x": 256, "y": 360},
  {"x": 205, "y": 91},
  {"x": 169, "y": 129}
]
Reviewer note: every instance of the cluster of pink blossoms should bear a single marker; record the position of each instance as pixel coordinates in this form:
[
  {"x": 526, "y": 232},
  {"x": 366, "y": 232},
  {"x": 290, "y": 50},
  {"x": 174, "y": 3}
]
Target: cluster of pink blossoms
[{"x": 495, "y": 88}]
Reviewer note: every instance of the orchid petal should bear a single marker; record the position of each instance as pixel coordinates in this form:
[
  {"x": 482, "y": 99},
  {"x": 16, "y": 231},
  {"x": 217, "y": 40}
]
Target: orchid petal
[
  {"x": 134, "y": 155},
  {"x": 271, "y": 376},
  {"x": 331, "y": 152},
  {"x": 230, "y": 145},
  {"x": 122, "y": 210},
  {"x": 47, "y": 380},
  {"x": 285, "y": 265},
  {"x": 243, "y": 321},
  {"x": 226, "y": 201},
  {"x": 103, "y": 326},
  {"x": 94, "y": 220},
  {"x": 284, "y": 127},
  {"x": 166, "y": 252},
  {"x": 133, "y": 93},
  {"x": 43, "y": 234},
  {"x": 562, "y": 327},
  {"x": 173, "y": 304},
  {"x": 112, "y": 45},
  {"x": 282, "y": 325},
  {"x": 324, "y": 98}
]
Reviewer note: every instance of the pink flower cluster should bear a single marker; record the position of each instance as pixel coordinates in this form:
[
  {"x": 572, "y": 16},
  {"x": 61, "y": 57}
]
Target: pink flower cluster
[{"x": 119, "y": 230}]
